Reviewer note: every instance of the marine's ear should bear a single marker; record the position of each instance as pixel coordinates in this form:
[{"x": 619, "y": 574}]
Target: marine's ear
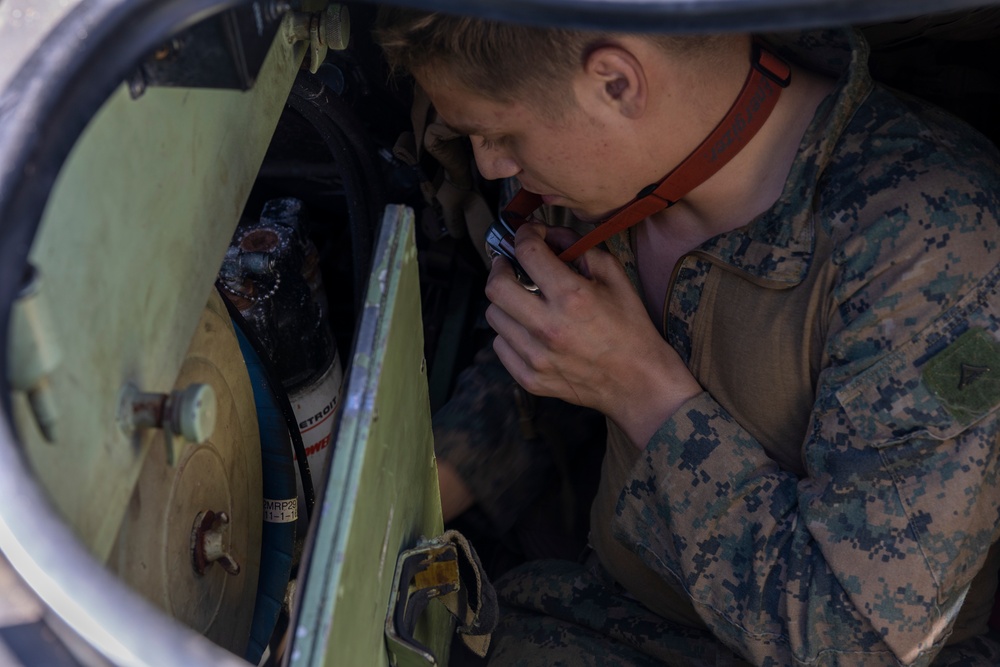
[{"x": 614, "y": 75}]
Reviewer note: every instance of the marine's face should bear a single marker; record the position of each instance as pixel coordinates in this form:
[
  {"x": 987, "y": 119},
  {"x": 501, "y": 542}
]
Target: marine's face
[{"x": 571, "y": 161}]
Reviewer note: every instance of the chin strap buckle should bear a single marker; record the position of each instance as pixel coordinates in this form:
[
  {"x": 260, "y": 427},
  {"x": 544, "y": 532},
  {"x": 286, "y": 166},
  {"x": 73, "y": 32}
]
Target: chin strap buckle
[{"x": 770, "y": 65}]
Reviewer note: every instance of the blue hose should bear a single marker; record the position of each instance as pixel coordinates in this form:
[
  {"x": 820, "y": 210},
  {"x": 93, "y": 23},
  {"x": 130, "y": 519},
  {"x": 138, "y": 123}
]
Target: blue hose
[{"x": 277, "y": 538}]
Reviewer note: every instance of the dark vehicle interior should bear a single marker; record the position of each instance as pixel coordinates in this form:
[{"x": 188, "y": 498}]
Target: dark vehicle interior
[{"x": 349, "y": 141}]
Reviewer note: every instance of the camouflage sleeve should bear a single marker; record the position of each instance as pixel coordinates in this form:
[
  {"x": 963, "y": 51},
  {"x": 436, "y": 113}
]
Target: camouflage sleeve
[
  {"x": 509, "y": 446},
  {"x": 480, "y": 431},
  {"x": 868, "y": 558}
]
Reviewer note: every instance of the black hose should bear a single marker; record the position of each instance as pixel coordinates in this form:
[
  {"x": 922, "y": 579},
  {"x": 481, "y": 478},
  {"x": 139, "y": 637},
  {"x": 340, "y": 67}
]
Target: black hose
[
  {"x": 355, "y": 134},
  {"x": 364, "y": 191}
]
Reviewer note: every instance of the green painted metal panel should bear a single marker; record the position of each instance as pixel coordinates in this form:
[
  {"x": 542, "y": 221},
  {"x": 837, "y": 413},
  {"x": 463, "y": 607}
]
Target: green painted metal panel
[
  {"x": 129, "y": 246},
  {"x": 381, "y": 493}
]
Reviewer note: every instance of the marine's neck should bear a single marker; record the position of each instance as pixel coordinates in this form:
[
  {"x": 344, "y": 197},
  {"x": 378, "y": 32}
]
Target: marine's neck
[
  {"x": 747, "y": 186},
  {"x": 754, "y": 179}
]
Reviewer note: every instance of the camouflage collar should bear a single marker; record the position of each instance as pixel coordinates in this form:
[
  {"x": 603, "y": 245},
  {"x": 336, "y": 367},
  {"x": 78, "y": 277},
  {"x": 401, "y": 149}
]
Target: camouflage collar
[{"x": 776, "y": 248}]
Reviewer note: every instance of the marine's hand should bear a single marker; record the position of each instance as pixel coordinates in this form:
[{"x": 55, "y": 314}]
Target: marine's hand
[{"x": 586, "y": 338}]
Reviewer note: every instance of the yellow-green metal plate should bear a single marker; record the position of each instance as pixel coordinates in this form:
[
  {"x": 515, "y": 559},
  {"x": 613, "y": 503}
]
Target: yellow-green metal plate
[
  {"x": 381, "y": 494},
  {"x": 223, "y": 474},
  {"x": 128, "y": 249}
]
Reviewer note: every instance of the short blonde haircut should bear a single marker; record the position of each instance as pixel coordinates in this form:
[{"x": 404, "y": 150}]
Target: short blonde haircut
[{"x": 503, "y": 62}]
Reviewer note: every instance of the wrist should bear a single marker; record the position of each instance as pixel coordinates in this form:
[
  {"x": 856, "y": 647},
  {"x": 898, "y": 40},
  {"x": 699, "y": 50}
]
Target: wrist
[{"x": 652, "y": 398}]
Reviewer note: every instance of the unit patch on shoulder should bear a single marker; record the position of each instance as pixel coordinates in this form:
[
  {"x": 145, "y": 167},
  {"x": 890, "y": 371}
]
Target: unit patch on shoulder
[{"x": 965, "y": 377}]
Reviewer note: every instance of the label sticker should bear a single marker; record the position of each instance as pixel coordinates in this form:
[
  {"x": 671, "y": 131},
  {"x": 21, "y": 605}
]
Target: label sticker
[{"x": 281, "y": 511}]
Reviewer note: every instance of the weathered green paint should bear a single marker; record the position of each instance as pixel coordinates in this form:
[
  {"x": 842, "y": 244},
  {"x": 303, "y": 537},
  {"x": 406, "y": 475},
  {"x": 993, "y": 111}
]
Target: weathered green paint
[
  {"x": 381, "y": 494},
  {"x": 129, "y": 246}
]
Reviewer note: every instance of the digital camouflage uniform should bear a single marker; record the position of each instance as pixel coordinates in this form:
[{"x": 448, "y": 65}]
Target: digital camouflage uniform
[
  {"x": 831, "y": 498},
  {"x": 531, "y": 461}
]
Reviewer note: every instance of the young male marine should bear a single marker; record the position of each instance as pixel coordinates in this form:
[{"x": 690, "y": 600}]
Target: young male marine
[{"x": 791, "y": 326}]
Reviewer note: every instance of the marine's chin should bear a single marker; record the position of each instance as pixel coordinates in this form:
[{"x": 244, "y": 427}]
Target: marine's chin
[
  {"x": 588, "y": 216},
  {"x": 584, "y": 215}
]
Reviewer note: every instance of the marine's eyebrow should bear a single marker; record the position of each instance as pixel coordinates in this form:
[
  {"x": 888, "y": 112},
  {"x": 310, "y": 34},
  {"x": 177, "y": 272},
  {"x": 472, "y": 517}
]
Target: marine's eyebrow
[{"x": 466, "y": 130}]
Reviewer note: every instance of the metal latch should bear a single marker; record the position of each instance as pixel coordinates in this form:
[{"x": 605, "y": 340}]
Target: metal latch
[
  {"x": 435, "y": 570},
  {"x": 34, "y": 353},
  {"x": 422, "y": 574}
]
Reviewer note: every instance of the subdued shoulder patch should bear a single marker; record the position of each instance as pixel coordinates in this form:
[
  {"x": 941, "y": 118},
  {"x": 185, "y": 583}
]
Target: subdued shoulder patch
[{"x": 965, "y": 376}]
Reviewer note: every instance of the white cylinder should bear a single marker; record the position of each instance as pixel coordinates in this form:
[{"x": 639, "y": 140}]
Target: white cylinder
[{"x": 315, "y": 407}]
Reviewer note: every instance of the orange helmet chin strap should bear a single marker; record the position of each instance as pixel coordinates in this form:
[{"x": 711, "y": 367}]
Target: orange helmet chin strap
[{"x": 768, "y": 75}]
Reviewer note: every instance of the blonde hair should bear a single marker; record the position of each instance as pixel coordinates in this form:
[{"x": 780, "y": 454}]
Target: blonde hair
[{"x": 502, "y": 61}]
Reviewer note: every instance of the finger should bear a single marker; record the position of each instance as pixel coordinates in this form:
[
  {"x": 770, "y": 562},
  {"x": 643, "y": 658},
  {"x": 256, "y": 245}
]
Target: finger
[
  {"x": 500, "y": 266},
  {"x": 505, "y": 288},
  {"x": 500, "y": 279},
  {"x": 541, "y": 262},
  {"x": 601, "y": 266},
  {"x": 595, "y": 264},
  {"x": 560, "y": 238},
  {"x": 516, "y": 366},
  {"x": 512, "y": 330},
  {"x": 503, "y": 274}
]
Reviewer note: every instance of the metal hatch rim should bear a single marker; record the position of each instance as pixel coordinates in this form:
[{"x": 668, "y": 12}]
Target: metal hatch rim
[
  {"x": 43, "y": 110},
  {"x": 689, "y": 16}
]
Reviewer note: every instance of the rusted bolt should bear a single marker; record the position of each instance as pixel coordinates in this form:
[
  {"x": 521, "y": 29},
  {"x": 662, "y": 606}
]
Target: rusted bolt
[
  {"x": 207, "y": 543},
  {"x": 189, "y": 413}
]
